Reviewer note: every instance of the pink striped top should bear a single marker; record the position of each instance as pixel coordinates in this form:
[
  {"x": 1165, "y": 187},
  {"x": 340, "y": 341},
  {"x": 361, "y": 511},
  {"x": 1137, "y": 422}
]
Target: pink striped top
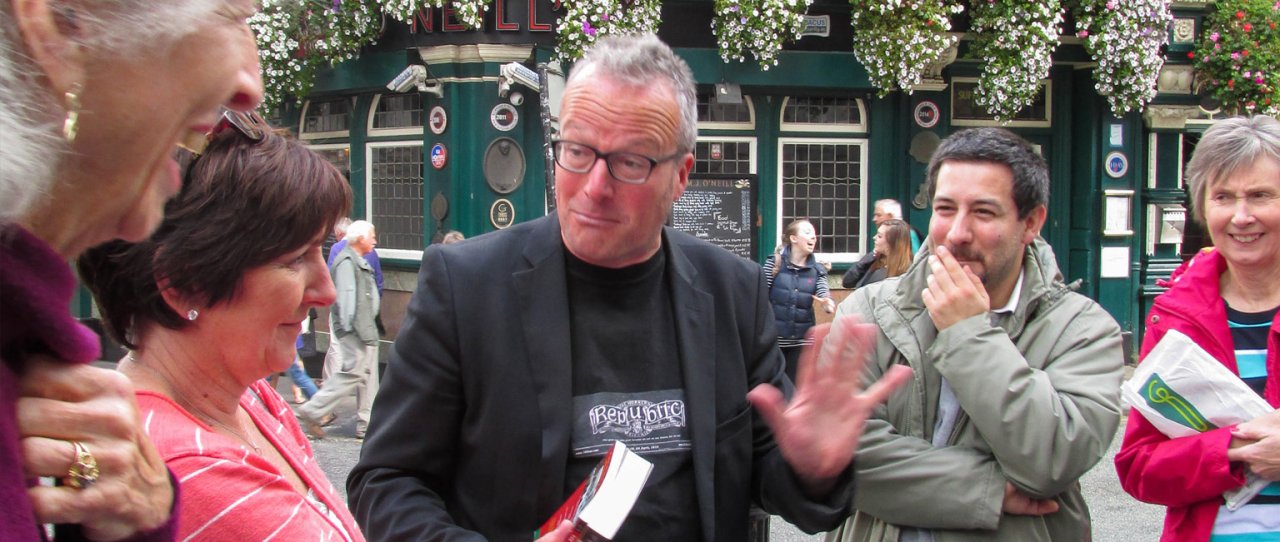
[{"x": 231, "y": 493}]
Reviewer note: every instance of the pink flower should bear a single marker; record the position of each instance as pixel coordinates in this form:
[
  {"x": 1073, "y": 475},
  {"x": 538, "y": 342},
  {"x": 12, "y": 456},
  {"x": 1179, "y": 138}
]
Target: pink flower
[
  {"x": 1082, "y": 34},
  {"x": 1259, "y": 80},
  {"x": 586, "y": 29},
  {"x": 1214, "y": 36},
  {"x": 1235, "y": 56},
  {"x": 1111, "y": 5}
]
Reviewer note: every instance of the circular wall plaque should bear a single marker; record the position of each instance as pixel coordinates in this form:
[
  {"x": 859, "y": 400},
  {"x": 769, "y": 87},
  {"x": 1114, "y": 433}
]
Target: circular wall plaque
[
  {"x": 439, "y": 120},
  {"x": 504, "y": 165},
  {"x": 926, "y": 114},
  {"x": 502, "y": 214},
  {"x": 504, "y": 117},
  {"x": 1117, "y": 164},
  {"x": 439, "y": 156}
]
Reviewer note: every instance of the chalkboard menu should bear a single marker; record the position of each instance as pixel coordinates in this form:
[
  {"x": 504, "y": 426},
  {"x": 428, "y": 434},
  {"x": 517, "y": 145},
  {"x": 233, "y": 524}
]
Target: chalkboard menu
[{"x": 718, "y": 209}]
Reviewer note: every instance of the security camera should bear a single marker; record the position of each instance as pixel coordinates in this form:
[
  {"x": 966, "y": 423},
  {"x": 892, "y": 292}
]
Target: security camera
[
  {"x": 412, "y": 77},
  {"x": 518, "y": 73},
  {"x": 516, "y": 98}
]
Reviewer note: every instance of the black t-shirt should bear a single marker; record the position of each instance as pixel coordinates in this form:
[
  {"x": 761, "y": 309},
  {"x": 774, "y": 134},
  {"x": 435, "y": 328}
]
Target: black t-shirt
[{"x": 628, "y": 386}]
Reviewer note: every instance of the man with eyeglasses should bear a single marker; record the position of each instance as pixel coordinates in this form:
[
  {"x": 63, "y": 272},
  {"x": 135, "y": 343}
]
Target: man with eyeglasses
[{"x": 525, "y": 353}]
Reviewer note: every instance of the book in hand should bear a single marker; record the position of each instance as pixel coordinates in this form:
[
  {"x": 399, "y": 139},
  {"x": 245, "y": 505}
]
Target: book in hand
[{"x": 602, "y": 502}]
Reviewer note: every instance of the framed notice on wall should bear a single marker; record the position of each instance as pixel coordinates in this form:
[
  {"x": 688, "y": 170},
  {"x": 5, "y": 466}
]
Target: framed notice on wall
[{"x": 719, "y": 209}]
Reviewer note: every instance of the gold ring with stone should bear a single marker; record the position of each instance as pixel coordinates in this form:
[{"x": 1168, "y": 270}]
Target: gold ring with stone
[{"x": 84, "y": 472}]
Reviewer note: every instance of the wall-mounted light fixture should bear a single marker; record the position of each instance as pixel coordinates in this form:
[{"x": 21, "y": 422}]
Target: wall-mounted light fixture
[{"x": 728, "y": 93}]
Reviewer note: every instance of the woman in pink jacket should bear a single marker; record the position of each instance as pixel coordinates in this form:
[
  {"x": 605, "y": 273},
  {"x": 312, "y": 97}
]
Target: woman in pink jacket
[{"x": 1226, "y": 300}]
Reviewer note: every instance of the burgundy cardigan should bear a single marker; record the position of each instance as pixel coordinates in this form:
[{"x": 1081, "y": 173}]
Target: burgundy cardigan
[{"x": 36, "y": 286}]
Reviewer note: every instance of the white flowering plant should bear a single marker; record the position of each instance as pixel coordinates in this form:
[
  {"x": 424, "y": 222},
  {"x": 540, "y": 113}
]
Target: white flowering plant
[
  {"x": 897, "y": 40},
  {"x": 585, "y": 21},
  {"x": 759, "y": 27},
  {"x": 406, "y": 10},
  {"x": 1015, "y": 40},
  {"x": 296, "y": 36},
  {"x": 1237, "y": 59},
  {"x": 1124, "y": 37}
]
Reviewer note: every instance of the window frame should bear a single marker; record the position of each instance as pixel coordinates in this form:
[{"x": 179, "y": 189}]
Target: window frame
[
  {"x": 864, "y": 145},
  {"x": 392, "y": 253},
  {"x": 859, "y": 128},
  {"x": 335, "y": 134},
  {"x": 419, "y": 130}
]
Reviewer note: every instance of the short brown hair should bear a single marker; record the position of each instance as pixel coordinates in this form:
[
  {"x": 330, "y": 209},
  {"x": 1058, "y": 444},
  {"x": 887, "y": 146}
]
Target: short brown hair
[{"x": 243, "y": 203}]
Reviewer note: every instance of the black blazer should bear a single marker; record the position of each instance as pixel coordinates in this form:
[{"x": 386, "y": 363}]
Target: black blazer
[{"x": 469, "y": 438}]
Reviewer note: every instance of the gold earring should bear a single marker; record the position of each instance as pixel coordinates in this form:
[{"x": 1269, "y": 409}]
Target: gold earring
[{"x": 69, "y": 126}]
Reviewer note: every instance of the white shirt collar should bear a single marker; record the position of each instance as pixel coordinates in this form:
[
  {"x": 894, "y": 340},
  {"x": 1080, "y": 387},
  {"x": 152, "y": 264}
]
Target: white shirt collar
[{"x": 1013, "y": 296}]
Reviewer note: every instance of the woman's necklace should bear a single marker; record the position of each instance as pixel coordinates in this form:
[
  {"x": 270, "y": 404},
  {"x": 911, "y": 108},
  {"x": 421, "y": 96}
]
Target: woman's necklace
[{"x": 242, "y": 434}]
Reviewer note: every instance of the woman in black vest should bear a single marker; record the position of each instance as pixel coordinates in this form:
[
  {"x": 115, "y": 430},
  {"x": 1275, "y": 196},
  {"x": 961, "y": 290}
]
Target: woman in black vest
[{"x": 796, "y": 282}]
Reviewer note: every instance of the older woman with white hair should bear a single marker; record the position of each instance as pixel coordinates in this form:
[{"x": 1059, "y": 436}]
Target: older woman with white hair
[
  {"x": 1227, "y": 300},
  {"x": 94, "y": 94}
]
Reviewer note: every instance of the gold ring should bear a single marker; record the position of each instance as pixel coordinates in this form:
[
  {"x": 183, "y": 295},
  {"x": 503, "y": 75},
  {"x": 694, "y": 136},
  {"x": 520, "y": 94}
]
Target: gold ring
[{"x": 84, "y": 472}]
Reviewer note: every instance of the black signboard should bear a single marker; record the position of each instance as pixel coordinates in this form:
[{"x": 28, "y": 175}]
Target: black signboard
[{"x": 718, "y": 209}]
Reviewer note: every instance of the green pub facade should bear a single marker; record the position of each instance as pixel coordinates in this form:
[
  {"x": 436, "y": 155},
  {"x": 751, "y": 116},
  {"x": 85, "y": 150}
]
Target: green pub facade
[{"x": 459, "y": 143}]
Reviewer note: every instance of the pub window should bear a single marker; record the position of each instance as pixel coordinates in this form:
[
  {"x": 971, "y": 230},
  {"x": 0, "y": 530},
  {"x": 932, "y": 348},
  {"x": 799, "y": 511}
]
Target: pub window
[
  {"x": 713, "y": 115},
  {"x": 728, "y": 155},
  {"x": 823, "y": 114},
  {"x": 393, "y": 198},
  {"x": 326, "y": 118},
  {"x": 965, "y": 110},
  {"x": 338, "y": 154},
  {"x": 823, "y": 180},
  {"x": 396, "y": 114}
]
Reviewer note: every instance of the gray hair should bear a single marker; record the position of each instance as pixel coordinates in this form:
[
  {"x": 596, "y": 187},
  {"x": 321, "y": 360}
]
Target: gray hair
[
  {"x": 890, "y": 207},
  {"x": 31, "y": 115},
  {"x": 640, "y": 60},
  {"x": 1227, "y": 147},
  {"x": 358, "y": 230},
  {"x": 997, "y": 146},
  {"x": 452, "y": 237},
  {"x": 340, "y": 227}
]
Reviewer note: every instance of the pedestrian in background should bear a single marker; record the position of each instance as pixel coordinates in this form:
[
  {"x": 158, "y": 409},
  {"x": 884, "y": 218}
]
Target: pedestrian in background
[
  {"x": 1227, "y": 300},
  {"x": 93, "y": 97},
  {"x": 892, "y": 252},
  {"x": 352, "y": 319},
  {"x": 796, "y": 282},
  {"x": 883, "y": 210},
  {"x": 210, "y": 305}
]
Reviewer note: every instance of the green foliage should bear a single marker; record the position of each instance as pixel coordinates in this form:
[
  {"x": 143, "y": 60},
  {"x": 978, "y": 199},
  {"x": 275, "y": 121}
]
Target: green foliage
[{"x": 1238, "y": 57}]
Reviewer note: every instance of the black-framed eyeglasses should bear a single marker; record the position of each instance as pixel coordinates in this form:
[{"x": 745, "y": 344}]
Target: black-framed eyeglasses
[
  {"x": 627, "y": 167},
  {"x": 250, "y": 125}
]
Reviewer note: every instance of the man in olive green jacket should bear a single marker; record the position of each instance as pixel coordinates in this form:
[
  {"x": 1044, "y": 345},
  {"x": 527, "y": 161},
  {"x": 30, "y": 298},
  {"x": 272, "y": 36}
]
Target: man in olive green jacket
[{"x": 1016, "y": 387}]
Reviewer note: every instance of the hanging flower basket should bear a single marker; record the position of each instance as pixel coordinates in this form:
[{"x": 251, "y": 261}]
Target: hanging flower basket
[
  {"x": 406, "y": 10},
  {"x": 1238, "y": 57},
  {"x": 1124, "y": 37},
  {"x": 897, "y": 40},
  {"x": 295, "y": 37},
  {"x": 1015, "y": 40},
  {"x": 584, "y": 21},
  {"x": 758, "y": 27}
]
